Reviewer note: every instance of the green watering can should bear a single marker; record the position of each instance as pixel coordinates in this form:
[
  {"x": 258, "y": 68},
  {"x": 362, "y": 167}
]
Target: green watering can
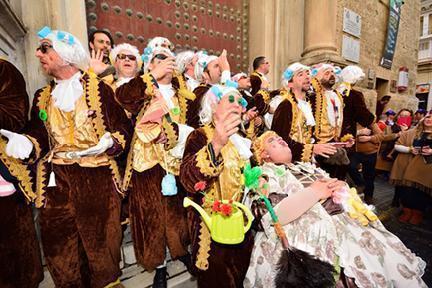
[{"x": 225, "y": 229}]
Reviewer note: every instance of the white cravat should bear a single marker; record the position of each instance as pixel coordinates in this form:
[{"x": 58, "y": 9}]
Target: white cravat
[
  {"x": 305, "y": 107},
  {"x": 242, "y": 145},
  {"x": 67, "y": 92},
  {"x": 191, "y": 83},
  {"x": 167, "y": 92},
  {"x": 332, "y": 117},
  {"x": 123, "y": 80}
]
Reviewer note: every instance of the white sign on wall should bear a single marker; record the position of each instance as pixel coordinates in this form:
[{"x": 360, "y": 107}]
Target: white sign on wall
[
  {"x": 352, "y": 23},
  {"x": 351, "y": 49}
]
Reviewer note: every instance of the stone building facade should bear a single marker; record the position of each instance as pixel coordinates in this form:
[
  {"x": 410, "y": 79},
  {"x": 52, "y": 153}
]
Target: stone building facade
[
  {"x": 310, "y": 31},
  {"x": 424, "y": 71}
]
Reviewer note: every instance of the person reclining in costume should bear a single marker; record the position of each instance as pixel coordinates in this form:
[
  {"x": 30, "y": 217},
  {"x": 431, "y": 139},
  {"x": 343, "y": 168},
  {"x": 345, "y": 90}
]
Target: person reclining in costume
[{"x": 366, "y": 252}]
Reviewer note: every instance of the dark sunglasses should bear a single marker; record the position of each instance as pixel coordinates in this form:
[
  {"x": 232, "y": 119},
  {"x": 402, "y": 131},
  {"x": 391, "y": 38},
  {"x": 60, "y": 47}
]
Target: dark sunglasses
[
  {"x": 160, "y": 56},
  {"x": 124, "y": 56},
  {"x": 43, "y": 47}
]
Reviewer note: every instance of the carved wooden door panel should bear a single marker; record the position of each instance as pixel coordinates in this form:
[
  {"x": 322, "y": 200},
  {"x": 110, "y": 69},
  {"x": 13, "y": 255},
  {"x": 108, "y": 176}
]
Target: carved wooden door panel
[{"x": 211, "y": 25}]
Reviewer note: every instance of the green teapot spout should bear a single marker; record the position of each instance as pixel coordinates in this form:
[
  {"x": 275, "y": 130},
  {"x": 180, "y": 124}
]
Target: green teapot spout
[{"x": 207, "y": 220}]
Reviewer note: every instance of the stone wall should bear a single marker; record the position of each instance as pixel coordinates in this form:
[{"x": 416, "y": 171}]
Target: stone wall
[{"x": 374, "y": 15}]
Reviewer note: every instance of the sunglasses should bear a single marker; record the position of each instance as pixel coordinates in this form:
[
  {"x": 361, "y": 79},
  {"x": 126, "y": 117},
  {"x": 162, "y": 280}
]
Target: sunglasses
[
  {"x": 43, "y": 47},
  {"x": 160, "y": 56},
  {"x": 124, "y": 56}
]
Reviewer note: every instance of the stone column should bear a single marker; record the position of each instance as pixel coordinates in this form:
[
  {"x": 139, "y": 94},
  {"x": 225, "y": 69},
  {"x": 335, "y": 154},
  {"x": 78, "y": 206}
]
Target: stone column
[
  {"x": 320, "y": 32},
  {"x": 276, "y": 31}
]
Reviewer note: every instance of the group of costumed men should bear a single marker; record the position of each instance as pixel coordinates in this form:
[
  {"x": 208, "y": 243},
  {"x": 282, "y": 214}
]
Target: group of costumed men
[{"x": 162, "y": 128}]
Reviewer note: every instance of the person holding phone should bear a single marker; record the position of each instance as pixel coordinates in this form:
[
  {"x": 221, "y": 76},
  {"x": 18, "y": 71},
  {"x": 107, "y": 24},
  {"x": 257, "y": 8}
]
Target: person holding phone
[{"x": 411, "y": 169}]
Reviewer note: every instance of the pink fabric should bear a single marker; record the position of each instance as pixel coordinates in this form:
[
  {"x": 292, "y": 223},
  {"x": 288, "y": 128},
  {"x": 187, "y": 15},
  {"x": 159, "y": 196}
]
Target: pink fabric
[{"x": 6, "y": 188}]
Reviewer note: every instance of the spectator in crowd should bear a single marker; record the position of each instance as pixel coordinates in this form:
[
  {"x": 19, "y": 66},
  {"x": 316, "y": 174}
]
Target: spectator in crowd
[
  {"x": 411, "y": 166},
  {"x": 381, "y": 105}
]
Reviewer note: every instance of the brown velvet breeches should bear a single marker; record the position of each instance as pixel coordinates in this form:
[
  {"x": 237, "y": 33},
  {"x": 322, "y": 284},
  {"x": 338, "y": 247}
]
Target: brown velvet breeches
[
  {"x": 157, "y": 221},
  {"x": 20, "y": 261},
  {"x": 228, "y": 264},
  {"x": 80, "y": 227}
]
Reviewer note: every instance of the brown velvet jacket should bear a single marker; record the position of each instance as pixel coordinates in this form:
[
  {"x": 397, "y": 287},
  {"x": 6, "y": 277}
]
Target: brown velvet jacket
[
  {"x": 14, "y": 107},
  {"x": 355, "y": 111},
  {"x": 108, "y": 116},
  {"x": 283, "y": 124}
]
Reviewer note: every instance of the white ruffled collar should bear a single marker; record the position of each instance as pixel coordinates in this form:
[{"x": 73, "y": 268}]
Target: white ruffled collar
[{"x": 67, "y": 92}]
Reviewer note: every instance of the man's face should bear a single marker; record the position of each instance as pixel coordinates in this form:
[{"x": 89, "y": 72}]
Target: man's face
[
  {"x": 213, "y": 72},
  {"x": 228, "y": 101},
  {"x": 244, "y": 83},
  {"x": 190, "y": 66},
  {"x": 328, "y": 78},
  {"x": 390, "y": 117},
  {"x": 301, "y": 80},
  {"x": 126, "y": 64},
  {"x": 50, "y": 60},
  {"x": 265, "y": 66},
  {"x": 101, "y": 42},
  {"x": 276, "y": 150}
]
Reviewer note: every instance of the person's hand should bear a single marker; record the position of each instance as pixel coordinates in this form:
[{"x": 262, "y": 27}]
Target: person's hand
[
  {"x": 258, "y": 121},
  {"x": 166, "y": 66},
  {"x": 250, "y": 114},
  {"x": 226, "y": 124},
  {"x": 96, "y": 62},
  {"x": 415, "y": 150},
  {"x": 103, "y": 145},
  {"x": 363, "y": 139},
  {"x": 18, "y": 146},
  {"x": 223, "y": 61},
  {"x": 324, "y": 150},
  {"x": 404, "y": 127},
  {"x": 263, "y": 186},
  {"x": 324, "y": 188},
  {"x": 350, "y": 143},
  {"x": 426, "y": 151},
  {"x": 364, "y": 131}
]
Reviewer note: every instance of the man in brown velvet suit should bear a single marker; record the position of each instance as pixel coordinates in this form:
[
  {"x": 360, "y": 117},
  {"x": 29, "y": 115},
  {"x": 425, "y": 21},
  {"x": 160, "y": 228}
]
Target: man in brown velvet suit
[
  {"x": 294, "y": 120},
  {"x": 20, "y": 262},
  {"x": 258, "y": 77},
  {"x": 209, "y": 70},
  {"x": 76, "y": 129},
  {"x": 158, "y": 102}
]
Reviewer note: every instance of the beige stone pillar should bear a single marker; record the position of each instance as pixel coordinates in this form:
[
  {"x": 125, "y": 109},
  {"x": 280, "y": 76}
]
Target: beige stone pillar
[
  {"x": 276, "y": 31},
  {"x": 320, "y": 32}
]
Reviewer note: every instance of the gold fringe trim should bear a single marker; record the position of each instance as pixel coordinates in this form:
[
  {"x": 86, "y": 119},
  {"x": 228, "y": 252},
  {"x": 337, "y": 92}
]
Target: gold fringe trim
[
  {"x": 168, "y": 129},
  {"x": 129, "y": 162},
  {"x": 184, "y": 95},
  {"x": 204, "y": 247},
  {"x": 147, "y": 79},
  {"x": 205, "y": 165},
  {"x": 265, "y": 94},
  {"x": 93, "y": 99},
  {"x": 120, "y": 139},
  {"x": 42, "y": 104},
  {"x": 306, "y": 155},
  {"x": 19, "y": 171}
]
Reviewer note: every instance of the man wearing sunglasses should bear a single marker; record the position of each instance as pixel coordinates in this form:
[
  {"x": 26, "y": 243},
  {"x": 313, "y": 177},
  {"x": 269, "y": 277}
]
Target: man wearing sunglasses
[
  {"x": 127, "y": 62},
  {"x": 158, "y": 102},
  {"x": 76, "y": 130}
]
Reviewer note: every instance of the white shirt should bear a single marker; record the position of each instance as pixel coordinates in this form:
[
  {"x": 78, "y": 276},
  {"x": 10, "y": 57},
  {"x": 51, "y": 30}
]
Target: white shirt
[
  {"x": 335, "y": 119},
  {"x": 306, "y": 109},
  {"x": 67, "y": 92}
]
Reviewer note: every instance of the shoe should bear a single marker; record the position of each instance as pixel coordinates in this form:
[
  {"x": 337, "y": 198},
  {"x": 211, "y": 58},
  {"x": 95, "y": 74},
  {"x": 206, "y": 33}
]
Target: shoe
[
  {"x": 368, "y": 200},
  {"x": 416, "y": 217},
  {"x": 406, "y": 215},
  {"x": 160, "y": 278}
]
